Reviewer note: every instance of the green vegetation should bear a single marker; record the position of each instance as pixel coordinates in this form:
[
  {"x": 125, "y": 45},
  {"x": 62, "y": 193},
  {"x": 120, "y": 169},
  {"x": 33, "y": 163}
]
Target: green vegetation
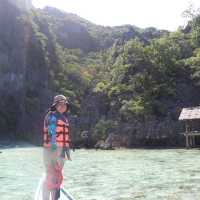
[{"x": 120, "y": 80}]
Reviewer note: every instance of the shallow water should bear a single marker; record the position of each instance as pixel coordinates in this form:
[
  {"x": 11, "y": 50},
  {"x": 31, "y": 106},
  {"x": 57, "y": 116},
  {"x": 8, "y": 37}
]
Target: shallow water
[{"x": 107, "y": 175}]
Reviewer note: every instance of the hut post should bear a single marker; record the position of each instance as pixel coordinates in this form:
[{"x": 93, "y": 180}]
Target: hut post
[
  {"x": 194, "y": 144},
  {"x": 186, "y": 134},
  {"x": 192, "y": 136}
]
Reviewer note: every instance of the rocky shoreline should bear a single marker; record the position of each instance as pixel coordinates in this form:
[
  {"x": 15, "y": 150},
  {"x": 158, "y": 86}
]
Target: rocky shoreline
[{"x": 5, "y": 144}]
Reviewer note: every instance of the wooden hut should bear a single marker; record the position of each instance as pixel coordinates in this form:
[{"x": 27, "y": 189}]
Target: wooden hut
[{"x": 191, "y": 117}]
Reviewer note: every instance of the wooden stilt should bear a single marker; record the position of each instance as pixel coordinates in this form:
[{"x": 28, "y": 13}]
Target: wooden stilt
[
  {"x": 187, "y": 136},
  {"x": 190, "y": 141},
  {"x": 193, "y": 141},
  {"x": 187, "y": 141}
]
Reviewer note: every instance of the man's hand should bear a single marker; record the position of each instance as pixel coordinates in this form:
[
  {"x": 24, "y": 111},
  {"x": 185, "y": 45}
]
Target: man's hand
[{"x": 68, "y": 158}]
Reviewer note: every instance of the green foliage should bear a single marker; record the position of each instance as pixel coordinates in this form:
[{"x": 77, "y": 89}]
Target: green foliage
[
  {"x": 100, "y": 87},
  {"x": 141, "y": 80},
  {"x": 194, "y": 65},
  {"x": 132, "y": 73},
  {"x": 136, "y": 107},
  {"x": 194, "y": 16},
  {"x": 9, "y": 113},
  {"x": 136, "y": 73},
  {"x": 103, "y": 128}
]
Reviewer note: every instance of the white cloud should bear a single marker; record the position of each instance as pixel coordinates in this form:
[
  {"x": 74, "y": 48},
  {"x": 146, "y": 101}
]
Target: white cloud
[{"x": 163, "y": 14}]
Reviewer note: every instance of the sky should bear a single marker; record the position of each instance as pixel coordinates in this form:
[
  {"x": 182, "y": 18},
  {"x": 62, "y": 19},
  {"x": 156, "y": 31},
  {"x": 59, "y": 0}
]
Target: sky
[{"x": 162, "y": 14}]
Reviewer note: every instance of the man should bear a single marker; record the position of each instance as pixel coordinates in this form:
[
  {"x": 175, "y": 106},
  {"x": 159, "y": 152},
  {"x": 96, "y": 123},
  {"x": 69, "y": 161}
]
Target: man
[{"x": 56, "y": 146}]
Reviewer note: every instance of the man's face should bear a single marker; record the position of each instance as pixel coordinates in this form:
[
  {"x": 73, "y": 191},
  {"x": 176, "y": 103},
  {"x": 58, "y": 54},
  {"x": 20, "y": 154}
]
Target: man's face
[{"x": 61, "y": 107}]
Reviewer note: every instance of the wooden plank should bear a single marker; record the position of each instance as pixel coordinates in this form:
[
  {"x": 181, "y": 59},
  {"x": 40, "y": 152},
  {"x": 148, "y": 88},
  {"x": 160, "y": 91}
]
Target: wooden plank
[{"x": 191, "y": 134}]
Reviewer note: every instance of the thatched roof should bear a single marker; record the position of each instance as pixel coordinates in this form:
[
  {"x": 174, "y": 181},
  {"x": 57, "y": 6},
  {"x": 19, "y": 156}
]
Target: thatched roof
[{"x": 190, "y": 113}]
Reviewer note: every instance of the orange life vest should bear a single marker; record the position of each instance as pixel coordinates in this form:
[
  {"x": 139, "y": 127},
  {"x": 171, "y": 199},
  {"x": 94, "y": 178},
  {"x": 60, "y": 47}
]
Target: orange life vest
[{"x": 62, "y": 133}]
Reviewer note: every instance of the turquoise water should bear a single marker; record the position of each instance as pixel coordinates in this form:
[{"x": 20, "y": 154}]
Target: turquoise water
[{"x": 107, "y": 175}]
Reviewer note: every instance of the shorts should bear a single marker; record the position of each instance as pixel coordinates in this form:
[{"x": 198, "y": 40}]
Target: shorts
[{"x": 51, "y": 157}]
